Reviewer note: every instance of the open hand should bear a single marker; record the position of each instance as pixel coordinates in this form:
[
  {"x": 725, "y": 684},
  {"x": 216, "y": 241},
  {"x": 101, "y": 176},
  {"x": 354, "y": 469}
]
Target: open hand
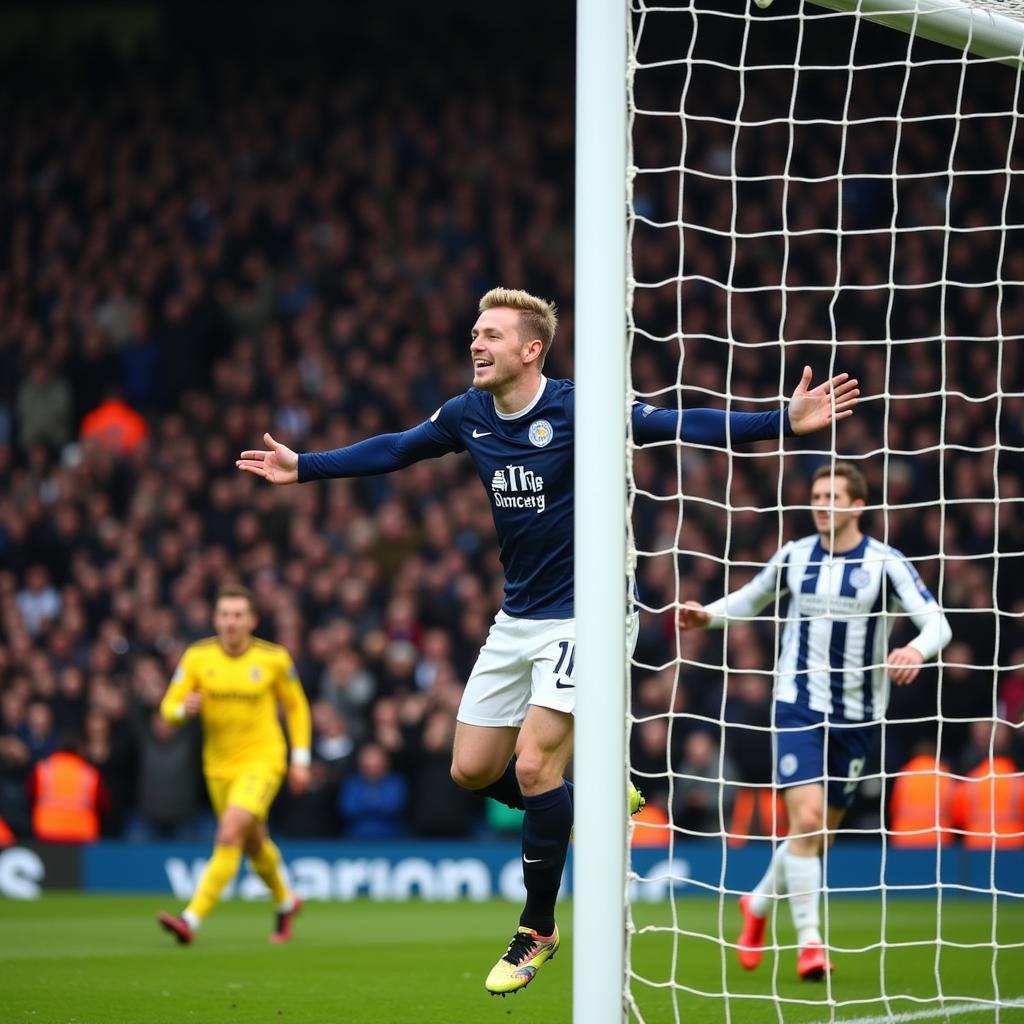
[
  {"x": 279, "y": 465},
  {"x": 298, "y": 778},
  {"x": 903, "y": 665},
  {"x": 693, "y": 615},
  {"x": 810, "y": 410}
]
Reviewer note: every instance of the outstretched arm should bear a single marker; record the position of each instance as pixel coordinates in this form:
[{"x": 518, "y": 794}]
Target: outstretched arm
[
  {"x": 745, "y": 603},
  {"x": 381, "y": 454},
  {"x": 809, "y": 410}
]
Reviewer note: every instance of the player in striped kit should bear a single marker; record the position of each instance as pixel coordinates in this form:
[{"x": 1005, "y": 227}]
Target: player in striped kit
[{"x": 831, "y": 689}]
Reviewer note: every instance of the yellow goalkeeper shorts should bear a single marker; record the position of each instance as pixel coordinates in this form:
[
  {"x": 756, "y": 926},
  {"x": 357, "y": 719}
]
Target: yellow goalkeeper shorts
[{"x": 252, "y": 789}]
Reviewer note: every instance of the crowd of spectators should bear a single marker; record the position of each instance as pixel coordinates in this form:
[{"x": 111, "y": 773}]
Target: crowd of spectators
[{"x": 192, "y": 257}]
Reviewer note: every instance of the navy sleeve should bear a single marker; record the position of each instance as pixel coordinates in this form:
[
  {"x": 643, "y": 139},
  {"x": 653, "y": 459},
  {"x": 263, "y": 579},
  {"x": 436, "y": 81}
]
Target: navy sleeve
[
  {"x": 707, "y": 426},
  {"x": 387, "y": 452}
]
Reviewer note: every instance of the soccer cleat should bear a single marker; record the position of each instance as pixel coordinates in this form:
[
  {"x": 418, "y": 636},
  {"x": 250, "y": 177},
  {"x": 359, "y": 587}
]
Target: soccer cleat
[
  {"x": 750, "y": 945},
  {"x": 812, "y": 964},
  {"x": 636, "y": 800},
  {"x": 283, "y": 931},
  {"x": 517, "y": 968},
  {"x": 177, "y": 926}
]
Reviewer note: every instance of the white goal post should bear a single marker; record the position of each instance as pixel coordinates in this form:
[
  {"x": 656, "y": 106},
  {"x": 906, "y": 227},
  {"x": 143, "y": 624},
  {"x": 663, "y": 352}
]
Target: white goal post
[{"x": 607, "y": 285}]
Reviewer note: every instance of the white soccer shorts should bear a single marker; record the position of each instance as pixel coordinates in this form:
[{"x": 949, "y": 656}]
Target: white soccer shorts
[{"x": 524, "y": 662}]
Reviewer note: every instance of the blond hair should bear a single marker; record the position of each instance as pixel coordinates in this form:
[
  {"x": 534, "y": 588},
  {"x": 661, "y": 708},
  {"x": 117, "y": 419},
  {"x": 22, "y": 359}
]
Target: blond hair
[
  {"x": 236, "y": 590},
  {"x": 538, "y": 318}
]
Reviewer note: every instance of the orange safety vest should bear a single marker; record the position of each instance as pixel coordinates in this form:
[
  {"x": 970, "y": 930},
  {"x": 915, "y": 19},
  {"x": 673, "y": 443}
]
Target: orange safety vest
[
  {"x": 922, "y": 797},
  {"x": 6, "y": 835},
  {"x": 67, "y": 791},
  {"x": 989, "y": 806}
]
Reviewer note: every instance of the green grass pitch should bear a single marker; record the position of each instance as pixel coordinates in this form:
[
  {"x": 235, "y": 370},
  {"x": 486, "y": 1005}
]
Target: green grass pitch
[{"x": 70, "y": 959}]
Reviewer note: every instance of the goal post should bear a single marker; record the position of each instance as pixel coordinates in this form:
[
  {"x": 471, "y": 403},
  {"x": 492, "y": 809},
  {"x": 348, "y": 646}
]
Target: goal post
[
  {"x": 715, "y": 141},
  {"x": 986, "y": 28},
  {"x": 599, "y": 858}
]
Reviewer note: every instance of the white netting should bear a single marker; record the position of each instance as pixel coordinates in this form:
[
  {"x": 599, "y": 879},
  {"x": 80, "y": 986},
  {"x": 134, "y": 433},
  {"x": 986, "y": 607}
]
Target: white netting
[{"x": 807, "y": 187}]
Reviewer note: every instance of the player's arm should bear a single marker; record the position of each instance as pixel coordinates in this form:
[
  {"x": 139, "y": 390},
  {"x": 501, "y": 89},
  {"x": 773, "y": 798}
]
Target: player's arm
[
  {"x": 904, "y": 663},
  {"x": 292, "y": 699},
  {"x": 744, "y": 603},
  {"x": 182, "y": 699},
  {"x": 381, "y": 454},
  {"x": 809, "y": 410}
]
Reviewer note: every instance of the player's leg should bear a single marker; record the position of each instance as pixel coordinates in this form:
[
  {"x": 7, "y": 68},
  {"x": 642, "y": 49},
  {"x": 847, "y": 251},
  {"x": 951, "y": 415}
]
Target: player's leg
[
  {"x": 799, "y": 768},
  {"x": 232, "y": 829},
  {"x": 482, "y": 760},
  {"x": 756, "y": 905},
  {"x": 493, "y": 707},
  {"x": 542, "y": 754},
  {"x": 183, "y": 926},
  {"x": 265, "y": 858}
]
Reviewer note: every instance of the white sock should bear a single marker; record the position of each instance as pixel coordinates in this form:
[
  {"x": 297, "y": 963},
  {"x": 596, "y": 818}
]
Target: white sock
[
  {"x": 772, "y": 884},
  {"x": 803, "y": 878},
  {"x": 287, "y": 905},
  {"x": 192, "y": 920}
]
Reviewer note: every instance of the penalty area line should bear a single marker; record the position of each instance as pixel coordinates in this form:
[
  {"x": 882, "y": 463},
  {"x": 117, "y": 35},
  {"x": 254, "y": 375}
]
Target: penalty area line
[{"x": 905, "y": 1017}]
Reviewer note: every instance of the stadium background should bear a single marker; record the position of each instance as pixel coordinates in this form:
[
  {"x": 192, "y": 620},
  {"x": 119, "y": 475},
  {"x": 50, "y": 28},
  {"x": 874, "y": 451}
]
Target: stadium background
[{"x": 236, "y": 221}]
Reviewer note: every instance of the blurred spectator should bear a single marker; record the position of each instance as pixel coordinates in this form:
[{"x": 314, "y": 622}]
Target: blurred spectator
[
  {"x": 372, "y": 801},
  {"x": 37, "y": 732},
  {"x": 39, "y": 603},
  {"x": 68, "y": 796},
  {"x": 437, "y": 807},
  {"x": 44, "y": 408},
  {"x": 988, "y": 805},
  {"x": 169, "y": 781},
  {"x": 702, "y": 796},
  {"x": 315, "y": 812},
  {"x": 921, "y": 805}
]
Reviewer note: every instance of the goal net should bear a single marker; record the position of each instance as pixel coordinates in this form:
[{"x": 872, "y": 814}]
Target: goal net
[{"x": 810, "y": 187}]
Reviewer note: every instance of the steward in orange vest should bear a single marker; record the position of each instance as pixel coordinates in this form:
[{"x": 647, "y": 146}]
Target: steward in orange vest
[
  {"x": 922, "y": 798},
  {"x": 68, "y": 797},
  {"x": 989, "y": 806},
  {"x": 6, "y": 835}
]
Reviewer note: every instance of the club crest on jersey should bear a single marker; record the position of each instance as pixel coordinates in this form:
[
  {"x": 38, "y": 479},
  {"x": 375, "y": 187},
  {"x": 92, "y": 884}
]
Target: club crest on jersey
[
  {"x": 860, "y": 578},
  {"x": 254, "y": 674},
  {"x": 541, "y": 433}
]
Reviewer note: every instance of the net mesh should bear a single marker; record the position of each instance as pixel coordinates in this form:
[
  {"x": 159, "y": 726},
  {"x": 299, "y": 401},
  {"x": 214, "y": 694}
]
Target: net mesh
[{"x": 811, "y": 188}]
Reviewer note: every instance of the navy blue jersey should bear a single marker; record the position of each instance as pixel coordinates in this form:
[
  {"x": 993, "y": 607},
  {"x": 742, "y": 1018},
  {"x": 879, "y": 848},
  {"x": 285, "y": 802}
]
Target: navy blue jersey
[{"x": 525, "y": 462}]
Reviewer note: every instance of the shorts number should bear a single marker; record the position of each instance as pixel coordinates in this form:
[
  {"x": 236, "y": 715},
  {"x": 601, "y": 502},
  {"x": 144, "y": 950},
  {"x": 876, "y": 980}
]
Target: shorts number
[
  {"x": 568, "y": 651},
  {"x": 856, "y": 769}
]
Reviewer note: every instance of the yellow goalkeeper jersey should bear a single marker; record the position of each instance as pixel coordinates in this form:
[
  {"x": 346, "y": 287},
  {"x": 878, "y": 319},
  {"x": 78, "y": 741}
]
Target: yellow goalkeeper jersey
[{"x": 239, "y": 712}]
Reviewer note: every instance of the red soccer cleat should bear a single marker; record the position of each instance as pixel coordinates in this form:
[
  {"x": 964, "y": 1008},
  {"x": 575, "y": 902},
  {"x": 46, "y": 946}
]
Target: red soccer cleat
[
  {"x": 177, "y": 926},
  {"x": 812, "y": 964},
  {"x": 750, "y": 946},
  {"x": 283, "y": 931}
]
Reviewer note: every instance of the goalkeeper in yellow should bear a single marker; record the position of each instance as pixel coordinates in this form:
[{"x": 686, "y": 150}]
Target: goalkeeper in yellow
[{"x": 234, "y": 682}]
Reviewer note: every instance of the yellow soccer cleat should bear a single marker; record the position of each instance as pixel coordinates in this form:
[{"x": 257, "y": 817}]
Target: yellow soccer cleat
[
  {"x": 636, "y": 800},
  {"x": 517, "y": 968}
]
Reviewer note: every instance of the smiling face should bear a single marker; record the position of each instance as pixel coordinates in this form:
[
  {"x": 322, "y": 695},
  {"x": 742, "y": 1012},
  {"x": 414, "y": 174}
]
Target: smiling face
[
  {"x": 500, "y": 357},
  {"x": 835, "y": 513}
]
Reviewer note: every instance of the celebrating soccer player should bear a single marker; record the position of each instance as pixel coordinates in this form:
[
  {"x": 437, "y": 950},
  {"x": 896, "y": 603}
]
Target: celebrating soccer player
[
  {"x": 514, "y": 735},
  {"x": 832, "y": 687},
  {"x": 235, "y": 682}
]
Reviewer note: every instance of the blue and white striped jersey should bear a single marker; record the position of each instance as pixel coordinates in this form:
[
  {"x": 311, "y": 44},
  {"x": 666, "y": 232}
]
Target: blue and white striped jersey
[{"x": 841, "y": 610}]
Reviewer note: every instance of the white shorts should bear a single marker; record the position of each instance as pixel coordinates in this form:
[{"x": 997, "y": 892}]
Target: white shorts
[{"x": 524, "y": 662}]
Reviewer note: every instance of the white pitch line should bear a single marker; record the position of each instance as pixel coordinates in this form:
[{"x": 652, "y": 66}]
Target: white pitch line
[{"x": 953, "y": 1010}]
